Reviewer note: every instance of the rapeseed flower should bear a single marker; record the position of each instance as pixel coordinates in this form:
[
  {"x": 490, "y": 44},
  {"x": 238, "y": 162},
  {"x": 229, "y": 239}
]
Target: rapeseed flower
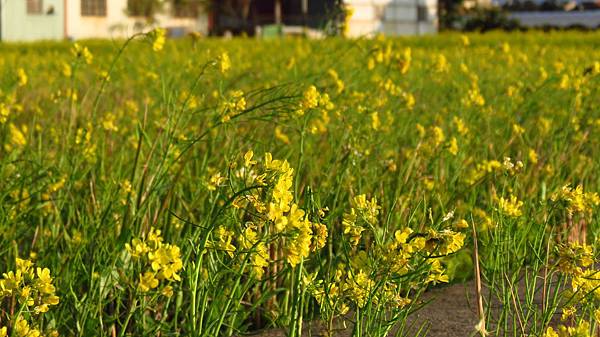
[
  {"x": 157, "y": 37},
  {"x": 511, "y": 207},
  {"x": 21, "y": 77}
]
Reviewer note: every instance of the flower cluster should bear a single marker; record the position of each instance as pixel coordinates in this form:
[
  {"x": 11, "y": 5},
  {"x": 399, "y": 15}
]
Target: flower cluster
[
  {"x": 281, "y": 222},
  {"x": 577, "y": 201},
  {"x": 288, "y": 218},
  {"x": 511, "y": 207},
  {"x": 34, "y": 292},
  {"x": 409, "y": 259},
  {"x": 233, "y": 105},
  {"x": 160, "y": 261},
  {"x": 580, "y": 330},
  {"x": 157, "y": 38},
  {"x": 363, "y": 213}
]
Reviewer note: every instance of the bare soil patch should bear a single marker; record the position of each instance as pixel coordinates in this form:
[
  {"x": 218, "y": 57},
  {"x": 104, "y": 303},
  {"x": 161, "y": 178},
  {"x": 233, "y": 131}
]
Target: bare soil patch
[{"x": 452, "y": 312}]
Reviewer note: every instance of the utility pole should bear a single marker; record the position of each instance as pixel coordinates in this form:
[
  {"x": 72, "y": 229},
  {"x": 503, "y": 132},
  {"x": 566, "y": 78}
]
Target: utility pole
[
  {"x": 278, "y": 12},
  {"x": 1, "y": 15},
  {"x": 304, "y": 12}
]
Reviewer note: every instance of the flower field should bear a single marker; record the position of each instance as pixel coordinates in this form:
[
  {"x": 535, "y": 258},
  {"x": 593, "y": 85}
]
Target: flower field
[{"x": 201, "y": 187}]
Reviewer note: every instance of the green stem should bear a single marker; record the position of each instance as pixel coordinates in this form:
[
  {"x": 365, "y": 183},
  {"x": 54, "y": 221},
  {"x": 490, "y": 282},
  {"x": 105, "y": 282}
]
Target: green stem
[{"x": 129, "y": 315}]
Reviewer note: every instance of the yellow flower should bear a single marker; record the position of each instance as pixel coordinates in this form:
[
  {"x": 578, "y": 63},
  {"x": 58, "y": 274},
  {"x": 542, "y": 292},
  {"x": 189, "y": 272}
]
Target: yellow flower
[
  {"x": 461, "y": 224},
  {"x": 567, "y": 313},
  {"x": 24, "y": 266},
  {"x": 66, "y": 70},
  {"x": 298, "y": 245},
  {"x": 82, "y": 52},
  {"x": 339, "y": 84},
  {"x": 420, "y": 130},
  {"x": 320, "y": 236},
  {"x": 166, "y": 261},
  {"x": 405, "y": 60},
  {"x": 108, "y": 122},
  {"x": 137, "y": 248},
  {"x": 259, "y": 257},
  {"x": 532, "y": 155},
  {"x": 437, "y": 136},
  {"x": 223, "y": 62},
  {"x": 564, "y": 82},
  {"x": 248, "y": 158},
  {"x": 158, "y": 38},
  {"x": 369, "y": 210},
  {"x": 441, "y": 65},
  {"x": 465, "y": 40},
  {"x": 460, "y": 126},
  {"x": 474, "y": 97},
  {"x": 351, "y": 228},
  {"x": 22, "y": 328},
  {"x": 147, "y": 282},
  {"x": 167, "y": 291},
  {"x": 517, "y": 129},
  {"x": 453, "y": 146},
  {"x": 16, "y": 138},
  {"x": 360, "y": 286},
  {"x": 233, "y": 105},
  {"x": 310, "y": 98},
  {"x": 225, "y": 237},
  {"x": 577, "y": 200},
  {"x": 279, "y": 134},
  {"x": 21, "y": 77},
  {"x": 436, "y": 272},
  {"x": 402, "y": 236},
  {"x": 409, "y": 100},
  {"x": 572, "y": 257},
  {"x": 550, "y": 332},
  {"x": 375, "y": 122},
  {"x": 215, "y": 181},
  {"x": 44, "y": 282},
  {"x": 510, "y": 207},
  {"x": 581, "y": 330}
]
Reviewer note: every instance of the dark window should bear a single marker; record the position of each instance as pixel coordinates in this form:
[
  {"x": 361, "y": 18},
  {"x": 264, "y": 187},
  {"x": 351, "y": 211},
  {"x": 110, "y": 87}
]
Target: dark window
[
  {"x": 93, "y": 7},
  {"x": 186, "y": 8},
  {"x": 145, "y": 8},
  {"x": 421, "y": 13},
  {"x": 34, "y": 6}
]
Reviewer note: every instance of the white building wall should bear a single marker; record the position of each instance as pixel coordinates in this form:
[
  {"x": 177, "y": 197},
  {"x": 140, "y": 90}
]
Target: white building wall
[
  {"x": 588, "y": 18},
  {"x": 18, "y": 25},
  {"x": 117, "y": 24},
  {"x": 392, "y": 17}
]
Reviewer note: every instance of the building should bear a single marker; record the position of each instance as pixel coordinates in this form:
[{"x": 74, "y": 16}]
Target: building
[
  {"x": 27, "y": 20},
  {"x": 589, "y": 19},
  {"x": 392, "y": 17},
  {"x": 557, "y": 14},
  {"x": 237, "y": 16},
  {"x": 370, "y": 17},
  {"x": 23, "y": 20}
]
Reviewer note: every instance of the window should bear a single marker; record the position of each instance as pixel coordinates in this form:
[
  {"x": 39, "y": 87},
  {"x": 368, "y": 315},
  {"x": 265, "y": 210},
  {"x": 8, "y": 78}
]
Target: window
[
  {"x": 93, "y": 7},
  {"x": 143, "y": 8},
  {"x": 186, "y": 8},
  {"x": 34, "y": 6},
  {"x": 422, "y": 13}
]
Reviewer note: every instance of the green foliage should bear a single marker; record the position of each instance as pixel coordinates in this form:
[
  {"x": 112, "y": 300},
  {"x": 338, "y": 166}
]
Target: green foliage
[{"x": 200, "y": 188}]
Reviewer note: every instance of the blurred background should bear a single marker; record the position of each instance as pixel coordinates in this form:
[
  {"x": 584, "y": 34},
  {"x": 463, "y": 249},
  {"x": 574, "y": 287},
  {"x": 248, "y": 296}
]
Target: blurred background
[{"x": 27, "y": 20}]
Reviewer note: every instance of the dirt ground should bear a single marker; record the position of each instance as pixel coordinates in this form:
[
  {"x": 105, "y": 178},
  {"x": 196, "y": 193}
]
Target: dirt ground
[{"x": 452, "y": 312}]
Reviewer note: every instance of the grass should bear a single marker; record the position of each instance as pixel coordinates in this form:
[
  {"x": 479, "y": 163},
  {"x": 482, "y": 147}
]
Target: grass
[{"x": 218, "y": 188}]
